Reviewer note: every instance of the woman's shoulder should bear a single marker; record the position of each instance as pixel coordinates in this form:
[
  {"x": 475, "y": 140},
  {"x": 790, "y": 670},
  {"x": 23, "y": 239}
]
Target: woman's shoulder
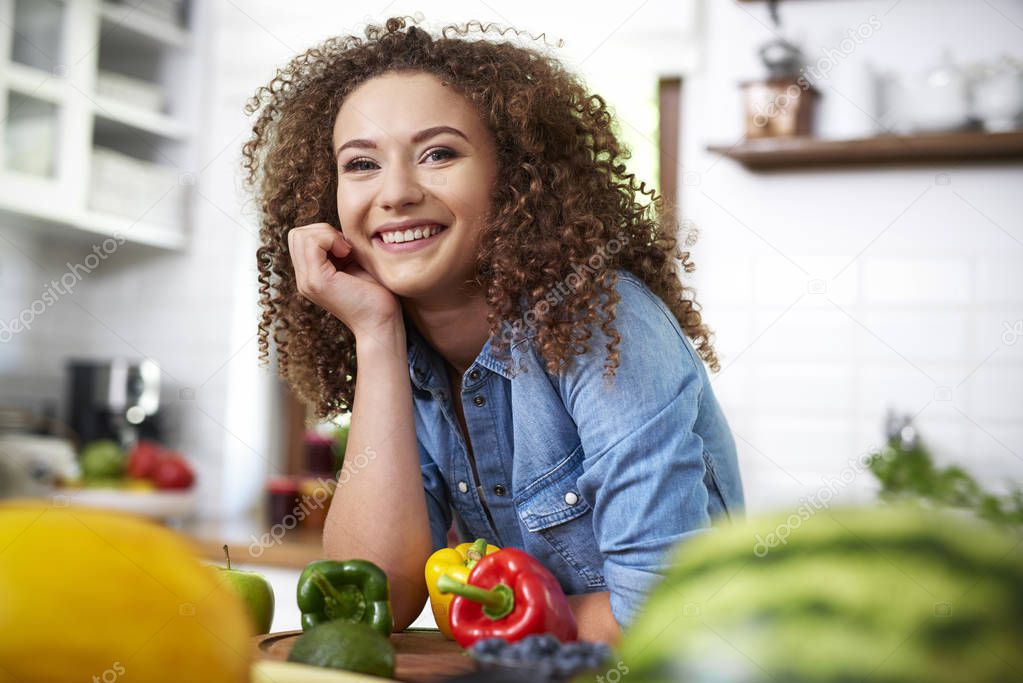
[
  {"x": 641, "y": 313},
  {"x": 650, "y": 341},
  {"x": 648, "y": 334}
]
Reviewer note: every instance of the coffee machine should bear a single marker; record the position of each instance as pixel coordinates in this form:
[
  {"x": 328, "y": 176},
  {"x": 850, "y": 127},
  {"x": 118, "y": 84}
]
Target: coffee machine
[{"x": 116, "y": 399}]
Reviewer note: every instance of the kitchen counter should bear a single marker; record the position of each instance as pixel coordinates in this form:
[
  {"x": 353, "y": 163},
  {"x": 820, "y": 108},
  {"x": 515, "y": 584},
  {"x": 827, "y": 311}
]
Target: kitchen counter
[
  {"x": 293, "y": 549},
  {"x": 279, "y": 559}
]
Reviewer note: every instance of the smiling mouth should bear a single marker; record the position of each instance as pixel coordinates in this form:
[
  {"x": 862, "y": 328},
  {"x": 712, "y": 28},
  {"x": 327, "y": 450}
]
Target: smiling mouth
[{"x": 411, "y": 235}]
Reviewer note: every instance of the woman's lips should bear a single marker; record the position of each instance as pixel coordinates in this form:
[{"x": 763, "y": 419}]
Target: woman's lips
[{"x": 414, "y": 245}]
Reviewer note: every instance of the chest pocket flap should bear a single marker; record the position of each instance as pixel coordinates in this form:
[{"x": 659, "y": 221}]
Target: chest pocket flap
[{"x": 554, "y": 497}]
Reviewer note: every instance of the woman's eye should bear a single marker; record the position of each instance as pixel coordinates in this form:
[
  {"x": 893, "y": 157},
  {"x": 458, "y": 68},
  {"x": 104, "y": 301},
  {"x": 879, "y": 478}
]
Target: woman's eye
[
  {"x": 354, "y": 165},
  {"x": 447, "y": 153},
  {"x": 438, "y": 154}
]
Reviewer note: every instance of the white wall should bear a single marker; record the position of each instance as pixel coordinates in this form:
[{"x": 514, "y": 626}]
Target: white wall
[{"x": 920, "y": 277}]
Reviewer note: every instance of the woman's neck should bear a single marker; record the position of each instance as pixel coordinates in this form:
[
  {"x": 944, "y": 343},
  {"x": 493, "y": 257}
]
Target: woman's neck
[{"x": 456, "y": 328}]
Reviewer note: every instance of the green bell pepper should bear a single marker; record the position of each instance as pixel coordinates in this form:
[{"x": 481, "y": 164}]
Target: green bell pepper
[{"x": 353, "y": 590}]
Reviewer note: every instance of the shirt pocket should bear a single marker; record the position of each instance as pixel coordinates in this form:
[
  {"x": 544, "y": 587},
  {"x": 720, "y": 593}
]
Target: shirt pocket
[
  {"x": 560, "y": 523},
  {"x": 716, "y": 505}
]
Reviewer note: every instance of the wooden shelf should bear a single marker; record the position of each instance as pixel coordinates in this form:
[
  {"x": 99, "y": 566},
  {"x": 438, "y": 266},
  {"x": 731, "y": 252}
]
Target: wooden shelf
[{"x": 793, "y": 153}]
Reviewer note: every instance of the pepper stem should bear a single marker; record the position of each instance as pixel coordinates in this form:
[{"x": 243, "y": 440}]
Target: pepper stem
[
  {"x": 476, "y": 552},
  {"x": 338, "y": 604},
  {"x": 498, "y": 602},
  {"x": 228, "y": 556}
]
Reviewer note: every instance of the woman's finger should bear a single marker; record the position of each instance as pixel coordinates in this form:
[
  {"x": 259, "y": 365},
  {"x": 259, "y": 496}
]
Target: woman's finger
[
  {"x": 309, "y": 253},
  {"x": 340, "y": 247},
  {"x": 296, "y": 244}
]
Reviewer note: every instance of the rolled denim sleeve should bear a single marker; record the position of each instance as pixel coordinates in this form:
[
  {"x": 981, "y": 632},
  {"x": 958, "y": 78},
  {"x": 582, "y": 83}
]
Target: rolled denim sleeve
[
  {"x": 643, "y": 470},
  {"x": 438, "y": 503}
]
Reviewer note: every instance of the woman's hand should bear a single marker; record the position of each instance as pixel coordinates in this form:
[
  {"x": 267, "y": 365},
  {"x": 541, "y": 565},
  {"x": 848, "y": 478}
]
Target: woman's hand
[{"x": 327, "y": 273}]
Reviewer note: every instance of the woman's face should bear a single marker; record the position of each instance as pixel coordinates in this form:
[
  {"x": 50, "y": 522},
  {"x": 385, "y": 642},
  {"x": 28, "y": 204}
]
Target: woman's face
[{"x": 413, "y": 149}]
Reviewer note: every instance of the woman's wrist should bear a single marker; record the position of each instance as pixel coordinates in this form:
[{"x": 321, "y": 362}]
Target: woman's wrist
[
  {"x": 593, "y": 614},
  {"x": 387, "y": 335}
]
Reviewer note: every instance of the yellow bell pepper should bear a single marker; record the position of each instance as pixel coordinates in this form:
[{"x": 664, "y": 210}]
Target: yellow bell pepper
[{"x": 455, "y": 562}]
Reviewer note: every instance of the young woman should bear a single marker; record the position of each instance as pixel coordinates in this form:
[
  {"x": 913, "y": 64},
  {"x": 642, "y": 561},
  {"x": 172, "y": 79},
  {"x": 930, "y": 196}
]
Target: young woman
[{"x": 452, "y": 248}]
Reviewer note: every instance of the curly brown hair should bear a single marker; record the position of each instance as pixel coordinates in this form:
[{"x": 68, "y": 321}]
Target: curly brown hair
[{"x": 562, "y": 196}]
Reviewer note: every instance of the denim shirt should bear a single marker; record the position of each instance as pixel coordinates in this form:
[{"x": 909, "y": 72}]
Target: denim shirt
[{"x": 597, "y": 480}]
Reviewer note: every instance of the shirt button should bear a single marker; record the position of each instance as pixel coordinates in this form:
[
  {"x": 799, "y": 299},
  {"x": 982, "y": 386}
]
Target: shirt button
[
  {"x": 571, "y": 498},
  {"x": 479, "y": 401},
  {"x": 463, "y": 487},
  {"x": 475, "y": 374},
  {"x": 500, "y": 490}
]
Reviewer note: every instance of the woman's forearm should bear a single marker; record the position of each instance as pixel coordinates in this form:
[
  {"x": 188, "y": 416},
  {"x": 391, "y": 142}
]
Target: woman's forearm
[
  {"x": 379, "y": 511},
  {"x": 593, "y": 614}
]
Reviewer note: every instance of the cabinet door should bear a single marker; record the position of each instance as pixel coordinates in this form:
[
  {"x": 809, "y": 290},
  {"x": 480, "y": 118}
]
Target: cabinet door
[
  {"x": 32, "y": 35},
  {"x": 30, "y": 135}
]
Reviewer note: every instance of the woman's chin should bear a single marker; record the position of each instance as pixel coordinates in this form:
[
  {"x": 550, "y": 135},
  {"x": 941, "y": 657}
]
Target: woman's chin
[
  {"x": 409, "y": 286},
  {"x": 420, "y": 285}
]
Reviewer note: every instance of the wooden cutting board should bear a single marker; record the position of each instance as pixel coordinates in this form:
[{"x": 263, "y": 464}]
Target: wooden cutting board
[{"x": 422, "y": 655}]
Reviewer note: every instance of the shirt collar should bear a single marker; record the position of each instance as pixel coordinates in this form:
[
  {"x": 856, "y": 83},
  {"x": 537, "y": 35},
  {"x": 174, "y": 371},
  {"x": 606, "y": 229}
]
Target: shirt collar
[{"x": 426, "y": 367}]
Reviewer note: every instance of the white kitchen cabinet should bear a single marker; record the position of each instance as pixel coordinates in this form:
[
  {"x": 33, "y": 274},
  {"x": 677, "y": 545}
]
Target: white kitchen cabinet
[{"x": 99, "y": 117}]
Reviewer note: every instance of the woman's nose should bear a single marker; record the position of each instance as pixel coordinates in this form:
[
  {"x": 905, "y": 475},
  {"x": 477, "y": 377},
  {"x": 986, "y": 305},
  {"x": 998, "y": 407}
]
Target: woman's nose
[{"x": 400, "y": 186}]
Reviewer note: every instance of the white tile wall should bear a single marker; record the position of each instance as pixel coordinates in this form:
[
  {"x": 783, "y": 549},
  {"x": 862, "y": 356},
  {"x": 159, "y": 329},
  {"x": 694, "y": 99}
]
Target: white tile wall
[
  {"x": 922, "y": 266},
  {"x": 999, "y": 278},
  {"x": 933, "y": 281}
]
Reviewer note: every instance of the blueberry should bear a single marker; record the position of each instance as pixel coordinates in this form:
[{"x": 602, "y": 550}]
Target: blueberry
[
  {"x": 549, "y": 644},
  {"x": 489, "y": 646},
  {"x": 531, "y": 647},
  {"x": 565, "y": 667},
  {"x": 576, "y": 657}
]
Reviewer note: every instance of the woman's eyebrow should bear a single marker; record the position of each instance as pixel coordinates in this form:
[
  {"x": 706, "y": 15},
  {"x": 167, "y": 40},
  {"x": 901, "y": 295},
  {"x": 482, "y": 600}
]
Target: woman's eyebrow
[{"x": 424, "y": 134}]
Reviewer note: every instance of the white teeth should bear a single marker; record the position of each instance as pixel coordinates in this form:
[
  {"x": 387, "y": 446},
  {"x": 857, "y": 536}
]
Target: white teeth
[{"x": 397, "y": 237}]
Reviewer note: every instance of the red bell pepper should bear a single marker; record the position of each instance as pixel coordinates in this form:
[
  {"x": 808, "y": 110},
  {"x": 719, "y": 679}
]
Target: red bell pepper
[{"x": 509, "y": 594}]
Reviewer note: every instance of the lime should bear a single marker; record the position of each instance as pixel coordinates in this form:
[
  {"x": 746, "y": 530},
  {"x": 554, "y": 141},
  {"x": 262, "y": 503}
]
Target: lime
[{"x": 348, "y": 645}]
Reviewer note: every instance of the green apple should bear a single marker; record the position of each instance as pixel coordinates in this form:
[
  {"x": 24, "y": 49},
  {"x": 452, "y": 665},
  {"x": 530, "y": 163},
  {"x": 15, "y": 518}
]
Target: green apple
[
  {"x": 255, "y": 592},
  {"x": 102, "y": 460}
]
